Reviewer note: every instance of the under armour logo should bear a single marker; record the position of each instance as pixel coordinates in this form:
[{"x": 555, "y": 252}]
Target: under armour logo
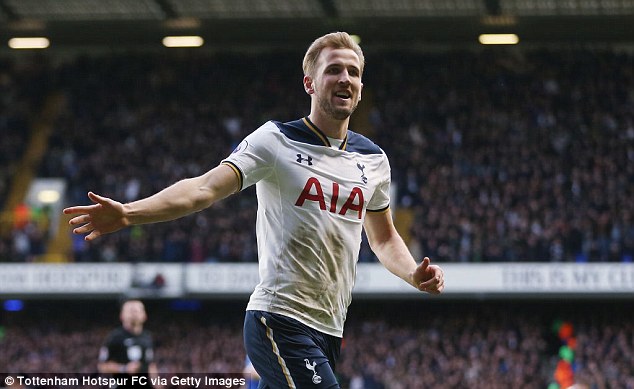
[
  {"x": 308, "y": 159},
  {"x": 316, "y": 378},
  {"x": 363, "y": 177}
]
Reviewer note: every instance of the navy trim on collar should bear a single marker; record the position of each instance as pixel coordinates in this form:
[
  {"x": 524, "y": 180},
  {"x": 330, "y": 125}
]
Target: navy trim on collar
[{"x": 303, "y": 130}]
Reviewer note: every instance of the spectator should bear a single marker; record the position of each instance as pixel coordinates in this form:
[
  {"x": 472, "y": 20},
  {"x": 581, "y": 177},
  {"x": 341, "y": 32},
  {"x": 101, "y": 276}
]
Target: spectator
[{"x": 529, "y": 161}]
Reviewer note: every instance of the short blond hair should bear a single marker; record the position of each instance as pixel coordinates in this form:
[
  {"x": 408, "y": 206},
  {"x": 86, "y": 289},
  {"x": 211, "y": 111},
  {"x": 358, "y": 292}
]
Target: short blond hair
[{"x": 334, "y": 40}]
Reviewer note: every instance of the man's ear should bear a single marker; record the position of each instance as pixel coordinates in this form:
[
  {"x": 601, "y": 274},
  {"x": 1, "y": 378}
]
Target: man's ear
[{"x": 308, "y": 85}]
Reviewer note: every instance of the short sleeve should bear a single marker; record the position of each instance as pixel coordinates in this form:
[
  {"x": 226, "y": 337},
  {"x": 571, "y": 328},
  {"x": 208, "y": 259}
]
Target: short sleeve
[
  {"x": 254, "y": 158},
  {"x": 380, "y": 200}
]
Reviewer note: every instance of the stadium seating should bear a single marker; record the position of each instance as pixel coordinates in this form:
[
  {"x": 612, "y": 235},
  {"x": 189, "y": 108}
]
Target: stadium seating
[
  {"x": 386, "y": 344},
  {"x": 492, "y": 159}
]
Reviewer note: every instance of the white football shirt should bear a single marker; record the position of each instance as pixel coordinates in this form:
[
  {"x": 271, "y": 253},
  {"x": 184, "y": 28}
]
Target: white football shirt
[{"x": 312, "y": 200}]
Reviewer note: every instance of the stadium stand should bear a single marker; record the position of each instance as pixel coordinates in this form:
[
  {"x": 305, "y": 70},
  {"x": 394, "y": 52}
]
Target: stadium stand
[
  {"x": 406, "y": 344},
  {"x": 24, "y": 85},
  {"x": 515, "y": 155},
  {"x": 525, "y": 165}
]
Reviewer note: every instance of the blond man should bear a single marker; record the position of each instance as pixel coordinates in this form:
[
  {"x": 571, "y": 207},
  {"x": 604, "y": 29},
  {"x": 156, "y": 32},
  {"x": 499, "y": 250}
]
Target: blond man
[{"x": 319, "y": 184}]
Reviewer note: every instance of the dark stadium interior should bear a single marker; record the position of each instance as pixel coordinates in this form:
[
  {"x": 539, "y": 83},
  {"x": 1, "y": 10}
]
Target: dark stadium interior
[
  {"x": 526, "y": 165},
  {"x": 231, "y": 23},
  {"x": 455, "y": 344},
  {"x": 514, "y": 155}
]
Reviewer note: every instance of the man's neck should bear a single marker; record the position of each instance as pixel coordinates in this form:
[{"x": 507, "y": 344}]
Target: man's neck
[
  {"x": 133, "y": 328},
  {"x": 332, "y": 128}
]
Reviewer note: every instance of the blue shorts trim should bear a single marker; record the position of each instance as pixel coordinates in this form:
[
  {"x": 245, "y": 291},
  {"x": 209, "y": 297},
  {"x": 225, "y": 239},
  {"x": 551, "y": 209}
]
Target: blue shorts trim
[{"x": 289, "y": 354}]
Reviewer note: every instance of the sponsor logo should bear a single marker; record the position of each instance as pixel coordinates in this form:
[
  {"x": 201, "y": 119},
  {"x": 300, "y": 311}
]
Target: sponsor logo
[
  {"x": 308, "y": 159},
  {"x": 314, "y": 192}
]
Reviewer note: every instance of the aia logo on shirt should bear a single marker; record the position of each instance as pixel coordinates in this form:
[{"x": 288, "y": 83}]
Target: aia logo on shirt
[{"x": 313, "y": 191}]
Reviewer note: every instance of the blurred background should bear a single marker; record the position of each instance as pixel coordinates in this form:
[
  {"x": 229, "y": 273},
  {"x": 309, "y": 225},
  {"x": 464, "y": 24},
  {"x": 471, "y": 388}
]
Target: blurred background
[{"x": 510, "y": 129}]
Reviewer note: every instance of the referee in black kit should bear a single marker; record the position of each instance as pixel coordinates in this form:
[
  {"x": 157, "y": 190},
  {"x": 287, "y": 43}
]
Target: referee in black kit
[{"x": 128, "y": 350}]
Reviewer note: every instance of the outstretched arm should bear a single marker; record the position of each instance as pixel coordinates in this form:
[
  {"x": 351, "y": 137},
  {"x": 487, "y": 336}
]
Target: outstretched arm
[
  {"x": 389, "y": 247},
  {"x": 180, "y": 199}
]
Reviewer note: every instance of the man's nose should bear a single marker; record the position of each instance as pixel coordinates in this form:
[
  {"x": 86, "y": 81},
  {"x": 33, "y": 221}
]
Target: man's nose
[{"x": 344, "y": 77}]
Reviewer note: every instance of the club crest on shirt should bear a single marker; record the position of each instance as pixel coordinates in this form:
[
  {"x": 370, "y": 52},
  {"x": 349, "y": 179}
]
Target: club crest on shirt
[{"x": 363, "y": 177}]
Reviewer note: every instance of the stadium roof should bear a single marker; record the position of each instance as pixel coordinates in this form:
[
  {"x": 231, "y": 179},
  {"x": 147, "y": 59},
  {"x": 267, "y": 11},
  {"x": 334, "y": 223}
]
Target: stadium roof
[{"x": 287, "y": 22}]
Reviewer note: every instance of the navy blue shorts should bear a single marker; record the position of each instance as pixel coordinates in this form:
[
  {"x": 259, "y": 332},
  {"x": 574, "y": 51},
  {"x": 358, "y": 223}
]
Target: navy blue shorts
[{"x": 289, "y": 354}]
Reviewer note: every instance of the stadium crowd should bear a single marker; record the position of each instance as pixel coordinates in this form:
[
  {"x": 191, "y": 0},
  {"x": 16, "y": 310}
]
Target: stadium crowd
[
  {"x": 499, "y": 155},
  {"x": 386, "y": 345},
  {"x": 524, "y": 157},
  {"x": 22, "y": 87}
]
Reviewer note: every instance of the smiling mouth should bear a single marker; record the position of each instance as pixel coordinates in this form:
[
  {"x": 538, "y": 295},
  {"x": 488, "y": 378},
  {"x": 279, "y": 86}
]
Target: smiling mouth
[{"x": 343, "y": 95}]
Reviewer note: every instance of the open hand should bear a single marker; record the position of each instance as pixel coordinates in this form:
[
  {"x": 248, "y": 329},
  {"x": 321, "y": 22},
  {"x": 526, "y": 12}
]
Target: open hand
[{"x": 103, "y": 217}]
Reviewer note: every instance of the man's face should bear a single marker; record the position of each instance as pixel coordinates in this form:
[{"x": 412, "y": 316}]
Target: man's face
[
  {"x": 337, "y": 82},
  {"x": 133, "y": 312}
]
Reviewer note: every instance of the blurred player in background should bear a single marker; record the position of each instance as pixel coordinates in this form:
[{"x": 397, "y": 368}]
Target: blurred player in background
[
  {"x": 318, "y": 185},
  {"x": 128, "y": 349}
]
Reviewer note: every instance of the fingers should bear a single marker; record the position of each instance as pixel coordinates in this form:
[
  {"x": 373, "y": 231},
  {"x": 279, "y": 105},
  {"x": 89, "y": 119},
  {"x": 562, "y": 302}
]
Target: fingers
[
  {"x": 93, "y": 235},
  {"x": 85, "y": 217},
  {"x": 81, "y": 219},
  {"x": 84, "y": 229},
  {"x": 95, "y": 198},
  {"x": 87, "y": 228},
  {"x": 433, "y": 286},
  {"x": 80, "y": 209},
  {"x": 436, "y": 283},
  {"x": 425, "y": 263},
  {"x": 84, "y": 220}
]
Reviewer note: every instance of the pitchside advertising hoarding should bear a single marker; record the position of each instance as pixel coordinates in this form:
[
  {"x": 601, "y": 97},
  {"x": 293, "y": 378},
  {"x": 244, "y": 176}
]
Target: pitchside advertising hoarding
[{"x": 177, "y": 280}]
